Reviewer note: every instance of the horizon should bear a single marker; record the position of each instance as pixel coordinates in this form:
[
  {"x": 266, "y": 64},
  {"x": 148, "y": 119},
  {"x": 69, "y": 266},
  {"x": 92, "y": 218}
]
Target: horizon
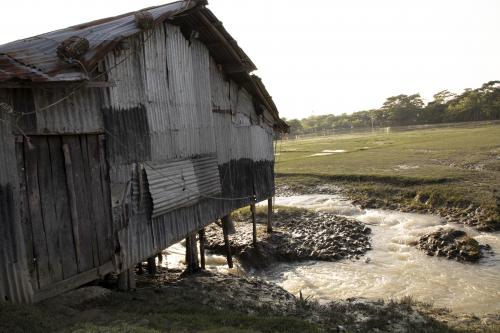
[{"x": 338, "y": 57}]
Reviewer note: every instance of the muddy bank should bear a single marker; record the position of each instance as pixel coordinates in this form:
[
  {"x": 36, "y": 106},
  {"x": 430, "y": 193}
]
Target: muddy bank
[
  {"x": 299, "y": 234},
  {"x": 208, "y": 302},
  {"x": 392, "y": 198}
]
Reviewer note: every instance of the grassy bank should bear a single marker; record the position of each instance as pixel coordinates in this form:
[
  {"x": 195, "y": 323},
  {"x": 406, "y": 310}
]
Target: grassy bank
[
  {"x": 226, "y": 304},
  {"x": 149, "y": 310},
  {"x": 438, "y": 168}
]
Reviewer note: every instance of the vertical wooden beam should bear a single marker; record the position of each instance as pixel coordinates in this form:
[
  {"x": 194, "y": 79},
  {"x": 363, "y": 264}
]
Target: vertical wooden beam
[
  {"x": 126, "y": 280},
  {"x": 191, "y": 254},
  {"x": 140, "y": 269},
  {"x": 226, "y": 222},
  {"x": 201, "y": 237},
  {"x": 123, "y": 281},
  {"x": 72, "y": 201},
  {"x": 254, "y": 225},
  {"x": 269, "y": 215},
  {"x": 131, "y": 279},
  {"x": 151, "y": 266}
]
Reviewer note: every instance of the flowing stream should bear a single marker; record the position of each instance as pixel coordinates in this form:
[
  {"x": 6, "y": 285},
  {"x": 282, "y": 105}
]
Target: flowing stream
[{"x": 394, "y": 267}]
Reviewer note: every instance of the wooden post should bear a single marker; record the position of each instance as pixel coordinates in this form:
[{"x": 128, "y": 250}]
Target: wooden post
[
  {"x": 226, "y": 222},
  {"x": 269, "y": 215},
  {"x": 151, "y": 266},
  {"x": 126, "y": 280},
  {"x": 201, "y": 237},
  {"x": 191, "y": 254},
  {"x": 131, "y": 279},
  {"x": 123, "y": 281},
  {"x": 254, "y": 226},
  {"x": 140, "y": 269}
]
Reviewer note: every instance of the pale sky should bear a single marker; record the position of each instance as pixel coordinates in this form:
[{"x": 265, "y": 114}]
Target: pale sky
[{"x": 326, "y": 56}]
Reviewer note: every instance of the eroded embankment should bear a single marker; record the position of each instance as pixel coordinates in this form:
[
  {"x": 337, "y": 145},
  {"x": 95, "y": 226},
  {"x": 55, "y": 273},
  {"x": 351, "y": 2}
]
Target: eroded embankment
[{"x": 439, "y": 196}]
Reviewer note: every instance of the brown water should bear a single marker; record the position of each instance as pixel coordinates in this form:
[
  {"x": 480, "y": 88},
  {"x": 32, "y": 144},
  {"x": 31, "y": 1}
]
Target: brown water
[{"x": 393, "y": 269}]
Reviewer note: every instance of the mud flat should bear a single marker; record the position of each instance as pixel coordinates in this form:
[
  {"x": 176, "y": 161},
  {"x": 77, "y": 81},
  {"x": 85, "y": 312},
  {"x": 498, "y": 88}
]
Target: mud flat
[{"x": 299, "y": 234}]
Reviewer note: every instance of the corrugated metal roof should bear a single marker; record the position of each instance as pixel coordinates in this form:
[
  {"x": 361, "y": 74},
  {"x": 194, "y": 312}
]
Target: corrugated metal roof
[{"x": 35, "y": 59}]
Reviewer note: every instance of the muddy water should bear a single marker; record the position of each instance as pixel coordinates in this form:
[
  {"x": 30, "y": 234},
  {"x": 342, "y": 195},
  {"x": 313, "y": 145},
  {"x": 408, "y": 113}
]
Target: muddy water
[
  {"x": 175, "y": 258},
  {"x": 394, "y": 268}
]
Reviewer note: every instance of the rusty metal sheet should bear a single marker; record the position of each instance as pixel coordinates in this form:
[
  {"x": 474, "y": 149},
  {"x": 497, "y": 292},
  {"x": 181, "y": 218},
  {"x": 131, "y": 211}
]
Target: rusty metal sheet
[{"x": 35, "y": 58}]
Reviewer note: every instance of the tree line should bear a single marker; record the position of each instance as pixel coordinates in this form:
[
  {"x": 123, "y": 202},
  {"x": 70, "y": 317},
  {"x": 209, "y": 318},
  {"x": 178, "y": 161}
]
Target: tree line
[{"x": 472, "y": 105}]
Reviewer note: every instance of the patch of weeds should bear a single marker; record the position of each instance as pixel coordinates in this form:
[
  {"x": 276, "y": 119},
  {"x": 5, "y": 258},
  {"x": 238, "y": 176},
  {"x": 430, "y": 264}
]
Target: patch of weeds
[{"x": 119, "y": 327}]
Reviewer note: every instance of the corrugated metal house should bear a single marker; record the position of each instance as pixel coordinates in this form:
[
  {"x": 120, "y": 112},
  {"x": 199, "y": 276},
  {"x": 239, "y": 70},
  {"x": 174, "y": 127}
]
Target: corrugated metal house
[{"x": 118, "y": 138}]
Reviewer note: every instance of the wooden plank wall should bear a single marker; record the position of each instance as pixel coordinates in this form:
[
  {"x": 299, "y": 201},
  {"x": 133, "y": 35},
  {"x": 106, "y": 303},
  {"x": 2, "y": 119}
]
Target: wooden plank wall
[
  {"x": 67, "y": 224},
  {"x": 14, "y": 278}
]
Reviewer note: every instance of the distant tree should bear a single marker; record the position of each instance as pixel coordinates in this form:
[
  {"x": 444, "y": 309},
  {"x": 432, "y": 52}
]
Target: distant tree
[
  {"x": 403, "y": 109},
  {"x": 435, "y": 110},
  {"x": 473, "y": 104},
  {"x": 295, "y": 126}
]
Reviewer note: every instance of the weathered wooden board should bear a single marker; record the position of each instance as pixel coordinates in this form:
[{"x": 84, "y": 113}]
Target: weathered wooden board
[
  {"x": 24, "y": 209},
  {"x": 62, "y": 207},
  {"x": 86, "y": 259},
  {"x": 47, "y": 203},
  {"x": 65, "y": 207},
  {"x": 40, "y": 251}
]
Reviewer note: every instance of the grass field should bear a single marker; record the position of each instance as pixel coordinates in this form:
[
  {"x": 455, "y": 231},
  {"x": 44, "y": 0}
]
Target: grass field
[{"x": 452, "y": 167}]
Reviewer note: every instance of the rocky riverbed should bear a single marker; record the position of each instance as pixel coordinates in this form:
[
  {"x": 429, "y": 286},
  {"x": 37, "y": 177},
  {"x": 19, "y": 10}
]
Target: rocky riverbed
[
  {"x": 299, "y": 234},
  {"x": 452, "y": 244}
]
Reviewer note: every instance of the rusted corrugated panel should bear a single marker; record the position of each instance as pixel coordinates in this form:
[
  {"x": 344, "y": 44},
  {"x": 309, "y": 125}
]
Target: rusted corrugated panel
[
  {"x": 127, "y": 135},
  {"x": 124, "y": 69},
  {"x": 219, "y": 87},
  {"x": 262, "y": 144},
  {"x": 182, "y": 183},
  {"x": 14, "y": 279},
  {"x": 80, "y": 113},
  {"x": 182, "y": 107},
  {"x": 201, "y": 81},
  {"x": 172, "y": 227},
  {"x": 35, "y": 58},
  {"x": 177, "y": 84},
  {"x": 156, "y": 75}
]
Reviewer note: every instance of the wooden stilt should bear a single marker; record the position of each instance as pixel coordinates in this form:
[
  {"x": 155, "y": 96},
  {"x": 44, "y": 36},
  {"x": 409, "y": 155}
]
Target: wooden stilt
[
  {"x": 160, "y": 258},
  {"x": 269, "y": 215},
  {"x": 152, "y": 266},
  {"x": 191, "y": 254},
  {"x": 126, "y": 280},
  {"x": 201, "y": 238},
  {"x": 131, "y": 279},
  {"x": 123, "y": 281},
  {"x": 254, "y": 225},
  {"x": 226, "y": 222},
  {"x": 140, "y": 269}
]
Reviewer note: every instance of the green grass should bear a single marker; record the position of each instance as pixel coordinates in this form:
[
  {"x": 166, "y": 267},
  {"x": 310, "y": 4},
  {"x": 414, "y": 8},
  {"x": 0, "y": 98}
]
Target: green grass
[
  {"x": 453, "y": 166},
  {"x": 145, "y": 311}
]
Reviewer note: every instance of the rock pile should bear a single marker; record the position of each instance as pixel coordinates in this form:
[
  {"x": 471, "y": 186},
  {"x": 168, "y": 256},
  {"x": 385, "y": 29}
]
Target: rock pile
[
  {"x": 452, "y": 244},
  {"x": 300, "y": 234}
]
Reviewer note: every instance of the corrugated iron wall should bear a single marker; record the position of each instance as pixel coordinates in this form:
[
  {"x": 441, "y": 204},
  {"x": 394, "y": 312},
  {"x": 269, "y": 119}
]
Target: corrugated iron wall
[
  {"x": 14, "y": 279},
  {"x": 171, "y": 102},
  {"x": 181, "y": 183},
  {"x": 191, "y": 111},
  {"x": 80, "y": 113}
]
